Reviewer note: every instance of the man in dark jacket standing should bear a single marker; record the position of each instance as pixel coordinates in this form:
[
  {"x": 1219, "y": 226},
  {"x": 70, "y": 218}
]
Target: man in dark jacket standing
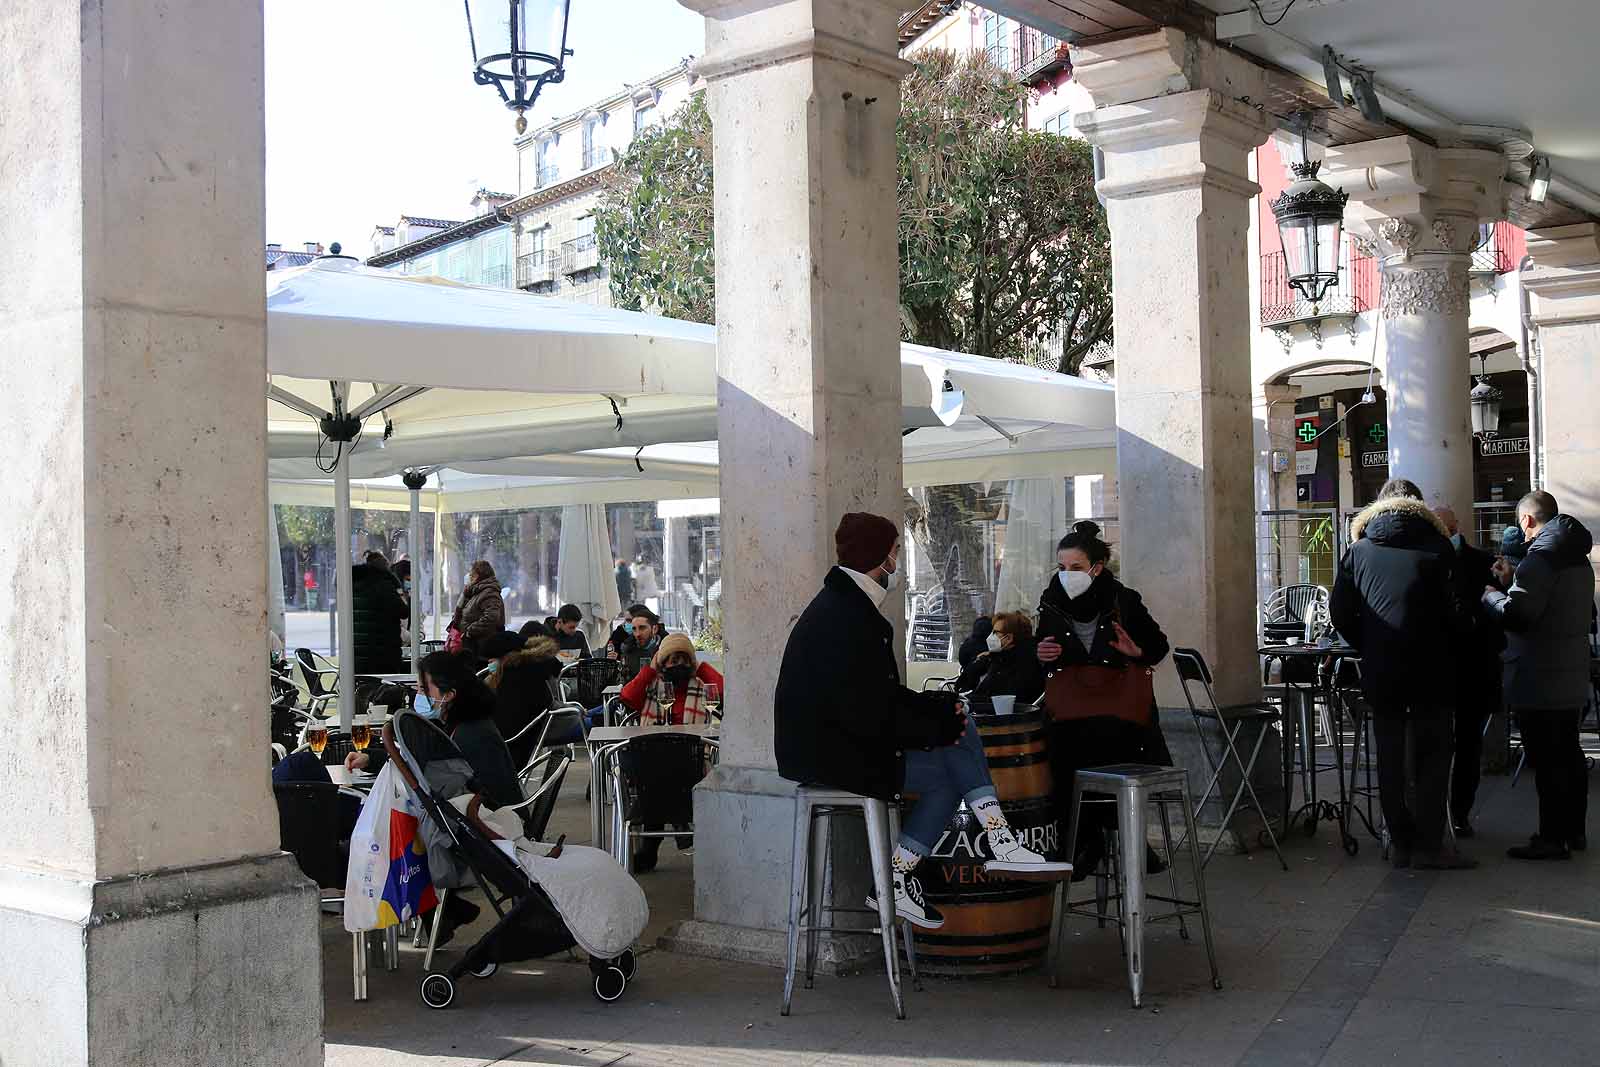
[
  {"x": 1393, "y": 600},
  {"x": 844, "y": 720},
  {"x": 1547, "y": 614},
  {"x": 1477, "y": 671},
  {"x": 377, "y": 610}
]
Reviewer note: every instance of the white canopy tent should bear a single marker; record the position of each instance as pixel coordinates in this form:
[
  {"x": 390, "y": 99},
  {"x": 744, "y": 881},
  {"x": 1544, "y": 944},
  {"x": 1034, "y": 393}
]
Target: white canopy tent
[{"x": 571, "y": 403}]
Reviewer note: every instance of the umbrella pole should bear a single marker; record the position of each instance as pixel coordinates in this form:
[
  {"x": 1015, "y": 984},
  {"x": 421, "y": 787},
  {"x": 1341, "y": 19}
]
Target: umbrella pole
[
  {"x": 343, "y": 599},
  {"x": 415, "y": 480}
]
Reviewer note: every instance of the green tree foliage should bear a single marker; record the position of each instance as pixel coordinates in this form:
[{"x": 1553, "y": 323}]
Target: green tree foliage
[{"x": 1003, "y": 244}]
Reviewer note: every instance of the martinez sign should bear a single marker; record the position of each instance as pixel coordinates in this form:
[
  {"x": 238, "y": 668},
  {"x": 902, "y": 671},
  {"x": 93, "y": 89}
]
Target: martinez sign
[{"x": 1503, "y": 446}]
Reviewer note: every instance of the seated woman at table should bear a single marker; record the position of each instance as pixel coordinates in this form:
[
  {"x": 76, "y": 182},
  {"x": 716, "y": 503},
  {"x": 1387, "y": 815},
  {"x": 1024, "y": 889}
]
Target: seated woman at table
[
  {"x": 671, "y": 688},
  {"x": 1088, "y": 617},
  {"x": 520, "y": 676},
  {"x": 1008, "y": 666}
]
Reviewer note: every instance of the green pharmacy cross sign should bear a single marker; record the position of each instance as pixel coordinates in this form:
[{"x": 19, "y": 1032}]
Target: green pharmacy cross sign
[
  {"x": 1376, "y": 433},
  {"x": 1306, "y": 431}
]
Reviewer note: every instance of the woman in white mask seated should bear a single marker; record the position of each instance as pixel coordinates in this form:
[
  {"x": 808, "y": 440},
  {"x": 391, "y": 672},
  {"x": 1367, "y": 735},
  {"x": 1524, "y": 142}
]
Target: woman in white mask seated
[
  {"x": 1008, "y": 665},
  {"x": 1088, "y": 617}
]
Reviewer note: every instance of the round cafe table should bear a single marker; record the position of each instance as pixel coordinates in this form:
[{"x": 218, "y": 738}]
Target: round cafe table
[{"x": 1299, "y": 704}]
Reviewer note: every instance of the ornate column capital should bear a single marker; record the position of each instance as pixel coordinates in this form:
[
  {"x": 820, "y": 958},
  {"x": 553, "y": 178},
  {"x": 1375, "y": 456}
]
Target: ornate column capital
[
  {"x": 1408, "y": 198},
  {"x": 1178, "y": 141},
  {"x": 1432, "y": 286},
  {"x": 743, "y": 35}
]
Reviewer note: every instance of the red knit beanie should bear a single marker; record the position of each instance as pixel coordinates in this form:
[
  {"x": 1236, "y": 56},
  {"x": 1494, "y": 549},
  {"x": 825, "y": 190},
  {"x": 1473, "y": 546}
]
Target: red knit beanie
[{"x": 864, "y": 540}]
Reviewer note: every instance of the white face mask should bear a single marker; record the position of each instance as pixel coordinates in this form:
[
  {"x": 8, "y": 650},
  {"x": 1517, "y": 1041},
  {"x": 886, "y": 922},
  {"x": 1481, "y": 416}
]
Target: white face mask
[
  {"x": 994, "y": 642},
  {"x": 891, "y": 579},
  {"x": 1074, "y": 583}
]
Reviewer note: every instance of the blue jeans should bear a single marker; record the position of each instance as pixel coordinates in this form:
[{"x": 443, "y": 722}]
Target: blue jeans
[{"x": 942, "y": 778}]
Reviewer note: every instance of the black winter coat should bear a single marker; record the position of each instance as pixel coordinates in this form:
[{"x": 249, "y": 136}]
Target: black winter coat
[
  {"x": 377, "y": 609},
  {"x": 842, "y": 719},
  {"x": 1482, "y": 640},
  {"x": 522, "y": 692},
  {"x": 1055, "y": 610},
  {"x": 1394, "y": 599},
  {"x": 1548, "y": 614},
  {"x": 1013, "y": 671}
]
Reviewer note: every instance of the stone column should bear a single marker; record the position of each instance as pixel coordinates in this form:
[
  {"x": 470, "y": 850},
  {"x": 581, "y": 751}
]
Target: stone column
[
  {"x": 803, "y": 95},
  {"x": 1565, "y": 283},
  {"x": 1177, "y": 141},
  {"x": 1277, "y": 543},
  {"x": 147, "y": 915},
  {"x": 1421, "y": 206}
]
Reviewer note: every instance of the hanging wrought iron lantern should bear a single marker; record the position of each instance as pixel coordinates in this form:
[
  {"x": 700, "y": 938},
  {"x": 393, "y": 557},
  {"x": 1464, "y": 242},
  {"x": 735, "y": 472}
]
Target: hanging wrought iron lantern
[
  {"x": 1485, "y": 405},
  {"x": 519, "y": 47},
  {"x": 1310, "y": 218}
]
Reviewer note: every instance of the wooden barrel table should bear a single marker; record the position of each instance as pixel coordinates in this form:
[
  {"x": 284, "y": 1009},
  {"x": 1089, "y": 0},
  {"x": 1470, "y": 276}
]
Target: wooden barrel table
[{"x": 992, "y": 924}]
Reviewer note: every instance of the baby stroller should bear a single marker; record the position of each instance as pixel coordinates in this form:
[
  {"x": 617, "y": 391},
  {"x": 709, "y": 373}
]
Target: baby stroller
[{"x": 530, "y": 923}]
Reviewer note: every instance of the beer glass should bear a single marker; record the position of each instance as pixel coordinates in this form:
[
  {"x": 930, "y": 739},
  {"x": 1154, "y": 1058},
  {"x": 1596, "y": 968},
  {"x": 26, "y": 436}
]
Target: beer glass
[
  {"x": 317, "y": 736},
  {"x": 361, "y": 732}
]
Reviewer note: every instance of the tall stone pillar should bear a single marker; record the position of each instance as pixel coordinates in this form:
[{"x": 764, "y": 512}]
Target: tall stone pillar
[
  {"x": 1176, "y": 140},
  {"x": 1565, "y": 283},
  {"x": 147, "y": 916},
  {"x": 804, "y": 96},
  {"x": 1277, "y": 542},
  {"x": 1421, "y": 205}
]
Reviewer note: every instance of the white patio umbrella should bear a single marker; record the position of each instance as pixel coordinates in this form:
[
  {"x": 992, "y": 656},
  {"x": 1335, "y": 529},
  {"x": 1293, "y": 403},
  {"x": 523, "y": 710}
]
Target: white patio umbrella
[
  {"x": 584, "y": 574},
  {"x": 1036, "y": 516},
  {"x": 373, "y": 373}
]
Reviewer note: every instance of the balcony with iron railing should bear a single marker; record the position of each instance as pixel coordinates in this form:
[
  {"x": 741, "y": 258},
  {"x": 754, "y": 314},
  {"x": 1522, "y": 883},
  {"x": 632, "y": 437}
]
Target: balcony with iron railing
[
  {"x": 535, "y": 268},
  {"x": 598, "y": 156},
  {"x": 547, "y": 175},
  {"x": 1283, "y": 308},
  {"x": 1034, "y": 54},
  {"x": 579, "y": 254},
  {"x": 1500, "y": 245}
]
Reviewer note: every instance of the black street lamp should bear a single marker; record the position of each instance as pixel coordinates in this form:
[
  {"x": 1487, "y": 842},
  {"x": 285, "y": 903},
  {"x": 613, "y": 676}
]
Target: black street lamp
[
  {"x": 1310, "y": 218},
  {"x": 1485, "y": 400},
  {"x": 518, "y": 46}
]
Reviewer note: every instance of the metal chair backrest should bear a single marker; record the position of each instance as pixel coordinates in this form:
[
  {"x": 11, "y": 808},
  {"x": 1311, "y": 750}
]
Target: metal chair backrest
[
  {"x": 589, "y": 678},
  {"x": 537, "y": 816},
  {"x": 1194, "y": 674},
  {"x": 658, "y": 771},
  {"x": 1306, "y": 605},
  {"x": 315, "y": 672},
  {"x": 308, "y": 828}
]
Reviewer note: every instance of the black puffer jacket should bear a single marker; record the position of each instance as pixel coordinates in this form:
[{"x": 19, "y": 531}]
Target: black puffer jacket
[
  {"x": 521, "y": 689},
  {"x": 842, "y": 718},
  {"x": 1394, "y": 600},
  {"x": 377, "y": 609},
  {"x": 1106, "y": 600},
  {"x": 1547, "y": 615},
  {"x": 1483, "y": 640}
]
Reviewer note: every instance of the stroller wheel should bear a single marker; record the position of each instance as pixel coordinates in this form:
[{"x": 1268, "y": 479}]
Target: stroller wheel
[
  {"x": 438, "y": 991},
  {"x": 609, "y": 984},
  {"x": 487, "y": 970},
  {"x": 628, "y": 964}
]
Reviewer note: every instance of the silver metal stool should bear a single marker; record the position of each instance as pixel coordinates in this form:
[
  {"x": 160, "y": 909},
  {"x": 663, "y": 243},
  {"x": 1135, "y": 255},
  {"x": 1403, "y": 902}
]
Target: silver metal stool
[
  {"x": 1135, "y": 786},
  {"x": 814, "y": 808}
]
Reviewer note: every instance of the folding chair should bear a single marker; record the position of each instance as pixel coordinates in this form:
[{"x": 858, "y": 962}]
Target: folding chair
[{"x": 1230, "y": 719}]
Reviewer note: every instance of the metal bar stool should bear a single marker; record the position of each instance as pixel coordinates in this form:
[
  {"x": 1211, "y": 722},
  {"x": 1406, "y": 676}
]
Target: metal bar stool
[
  {"x": 814, "y": 808},
  {"x": 1135, "y": 787}
]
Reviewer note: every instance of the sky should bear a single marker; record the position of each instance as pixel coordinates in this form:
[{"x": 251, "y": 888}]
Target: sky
[{"x": 372, "y": 111}]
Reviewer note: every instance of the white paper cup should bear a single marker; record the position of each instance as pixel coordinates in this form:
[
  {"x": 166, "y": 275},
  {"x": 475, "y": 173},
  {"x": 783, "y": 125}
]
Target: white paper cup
[{"x": 1003, "y": 705}]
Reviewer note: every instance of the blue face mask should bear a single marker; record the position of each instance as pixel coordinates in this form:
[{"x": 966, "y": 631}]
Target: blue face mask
[
  {"x": 1457, "y": 540},
  {"x": 424, "y": 707}
]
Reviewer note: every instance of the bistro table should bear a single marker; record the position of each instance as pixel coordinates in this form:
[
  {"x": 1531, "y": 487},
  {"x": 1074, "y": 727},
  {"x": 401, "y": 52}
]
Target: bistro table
[
  {"x": 1299, "y": 700},
  {"x": 600, "y": 738},
  {"x": 359, "y": 780}
]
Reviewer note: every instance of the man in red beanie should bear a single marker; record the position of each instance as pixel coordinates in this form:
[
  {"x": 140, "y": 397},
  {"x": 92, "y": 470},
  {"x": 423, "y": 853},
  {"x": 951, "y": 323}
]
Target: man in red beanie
[{"x": 844, "y": 720}]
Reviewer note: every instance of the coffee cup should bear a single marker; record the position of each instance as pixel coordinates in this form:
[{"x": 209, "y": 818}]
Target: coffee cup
[{"x": 1003, "y": 705}]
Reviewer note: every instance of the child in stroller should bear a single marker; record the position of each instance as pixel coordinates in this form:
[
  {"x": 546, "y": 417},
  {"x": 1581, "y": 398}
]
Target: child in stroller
[{"x": 547, "y": 898}]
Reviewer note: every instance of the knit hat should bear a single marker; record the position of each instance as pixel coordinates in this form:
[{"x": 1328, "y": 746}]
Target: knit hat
[
  {"x": 864, "y": 540},
  {"x": 1513, "y": 543},
  {"x": 674, "y": 643}
]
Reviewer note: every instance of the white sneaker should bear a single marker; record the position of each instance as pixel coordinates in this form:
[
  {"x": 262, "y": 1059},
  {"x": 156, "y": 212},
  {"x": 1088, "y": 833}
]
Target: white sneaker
[
  {"x": 909, "y": 905},
  {"x": 1011, "y": 856}
]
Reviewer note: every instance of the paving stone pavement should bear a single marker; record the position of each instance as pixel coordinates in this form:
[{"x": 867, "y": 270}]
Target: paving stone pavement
[{"x": 1340, "y": 961}]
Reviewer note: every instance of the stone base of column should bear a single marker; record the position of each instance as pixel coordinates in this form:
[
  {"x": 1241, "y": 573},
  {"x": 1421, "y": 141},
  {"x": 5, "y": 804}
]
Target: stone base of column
[
  {"x": 743, "y": 853},
  {"x": 175, "y": 968}
]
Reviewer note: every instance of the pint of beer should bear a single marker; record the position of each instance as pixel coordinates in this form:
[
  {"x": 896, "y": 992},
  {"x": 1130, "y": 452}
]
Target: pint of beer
[
  {"x": 317, "y": 736},
  {"x": 360, "y": 734}
]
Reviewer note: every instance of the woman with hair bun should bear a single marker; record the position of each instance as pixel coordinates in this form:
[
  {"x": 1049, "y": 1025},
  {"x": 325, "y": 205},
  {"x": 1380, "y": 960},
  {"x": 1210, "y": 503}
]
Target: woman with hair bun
[{"x": 1089, "y": 618}]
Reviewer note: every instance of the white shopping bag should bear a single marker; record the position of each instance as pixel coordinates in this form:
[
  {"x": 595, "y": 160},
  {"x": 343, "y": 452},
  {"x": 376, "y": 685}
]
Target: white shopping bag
[{"x": 388, "y": 881}]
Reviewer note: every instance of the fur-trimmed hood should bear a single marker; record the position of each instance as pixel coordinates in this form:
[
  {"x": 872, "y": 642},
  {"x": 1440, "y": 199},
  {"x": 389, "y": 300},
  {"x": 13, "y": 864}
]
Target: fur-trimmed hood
[
  {"x": 537, "y": 648},
  {"x": 1393, "y": 515}
]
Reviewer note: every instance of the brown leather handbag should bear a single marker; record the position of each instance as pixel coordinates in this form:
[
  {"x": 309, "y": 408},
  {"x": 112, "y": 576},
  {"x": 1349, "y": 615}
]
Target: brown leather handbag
[{"x": 1085, "y": 691}]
